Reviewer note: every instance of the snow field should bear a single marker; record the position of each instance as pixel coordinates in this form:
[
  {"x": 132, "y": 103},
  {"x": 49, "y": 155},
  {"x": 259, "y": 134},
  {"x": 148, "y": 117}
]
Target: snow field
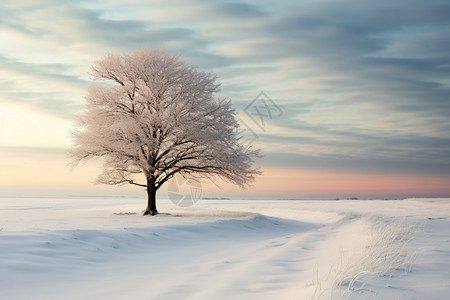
[{"x": 100, "y": 249}]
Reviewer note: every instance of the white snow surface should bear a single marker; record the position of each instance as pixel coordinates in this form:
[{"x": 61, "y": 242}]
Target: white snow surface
[{"x": 93, "y": 248}]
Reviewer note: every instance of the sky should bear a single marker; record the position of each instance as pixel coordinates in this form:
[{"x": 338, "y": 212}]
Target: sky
[{"x": 344, "y": 98}]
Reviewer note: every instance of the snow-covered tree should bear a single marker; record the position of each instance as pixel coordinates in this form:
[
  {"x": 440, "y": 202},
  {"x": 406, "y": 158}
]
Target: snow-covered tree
[{"x": 159, "y": 117}]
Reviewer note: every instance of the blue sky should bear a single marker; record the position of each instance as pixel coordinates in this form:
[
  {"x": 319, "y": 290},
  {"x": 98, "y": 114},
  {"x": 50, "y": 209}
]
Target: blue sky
[{"x": 363, "y": 86}]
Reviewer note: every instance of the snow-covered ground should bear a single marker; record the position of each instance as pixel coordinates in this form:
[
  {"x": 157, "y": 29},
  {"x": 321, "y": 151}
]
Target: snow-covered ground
[{"x": 223, "y": 249}]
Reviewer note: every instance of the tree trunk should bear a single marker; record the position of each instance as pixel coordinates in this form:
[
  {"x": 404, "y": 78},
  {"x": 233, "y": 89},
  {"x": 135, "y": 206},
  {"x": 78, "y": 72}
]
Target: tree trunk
[{"x": 151, "y": 196}]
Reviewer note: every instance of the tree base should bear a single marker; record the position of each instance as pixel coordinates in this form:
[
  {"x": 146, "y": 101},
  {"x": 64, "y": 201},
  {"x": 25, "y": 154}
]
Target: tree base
[{"x": 150, "y": 212}]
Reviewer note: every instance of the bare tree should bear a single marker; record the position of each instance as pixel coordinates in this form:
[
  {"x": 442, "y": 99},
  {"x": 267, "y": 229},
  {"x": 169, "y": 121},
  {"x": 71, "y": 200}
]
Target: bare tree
[{"x": 158, "y": 116}]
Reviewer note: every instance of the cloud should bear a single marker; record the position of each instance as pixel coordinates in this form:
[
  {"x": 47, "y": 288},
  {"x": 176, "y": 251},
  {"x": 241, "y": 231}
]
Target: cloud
[
  {"x": 357, "y": 80},
  {"x": 237, "y": 11},
  {"x": 47, "y": 87},
  {"x": 399, "y": 94}
]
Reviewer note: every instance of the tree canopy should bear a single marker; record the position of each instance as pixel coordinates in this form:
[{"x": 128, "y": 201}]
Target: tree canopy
[{"x": 158, "y": 116}]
